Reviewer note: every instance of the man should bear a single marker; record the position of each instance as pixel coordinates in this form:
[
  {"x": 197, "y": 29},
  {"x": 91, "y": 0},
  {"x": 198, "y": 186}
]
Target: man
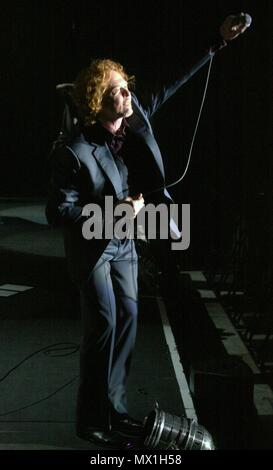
[{"x": 113, "y": 152}]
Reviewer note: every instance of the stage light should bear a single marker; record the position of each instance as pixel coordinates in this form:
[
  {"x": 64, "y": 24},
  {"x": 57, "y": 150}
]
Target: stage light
[{"x": 166, "y": 431}]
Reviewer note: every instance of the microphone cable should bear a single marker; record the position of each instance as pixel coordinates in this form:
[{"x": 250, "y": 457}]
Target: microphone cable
[{"x": 193, "y": 138}]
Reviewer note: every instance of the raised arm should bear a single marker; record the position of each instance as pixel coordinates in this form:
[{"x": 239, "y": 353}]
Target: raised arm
[{"x": 231, "y": 28}]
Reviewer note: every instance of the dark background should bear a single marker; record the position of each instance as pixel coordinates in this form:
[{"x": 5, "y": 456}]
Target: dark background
[{"x": 230, "y": 176}]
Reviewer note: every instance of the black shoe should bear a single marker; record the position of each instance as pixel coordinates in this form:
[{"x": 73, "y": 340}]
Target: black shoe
[
  {"x": 126, "y": 424},
  {"x": 100, "y": 437}
]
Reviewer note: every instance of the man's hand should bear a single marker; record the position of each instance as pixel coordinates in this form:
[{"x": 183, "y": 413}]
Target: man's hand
[
  {"x": 234, "y": 25},
  {"x": 137, "y": 203}
]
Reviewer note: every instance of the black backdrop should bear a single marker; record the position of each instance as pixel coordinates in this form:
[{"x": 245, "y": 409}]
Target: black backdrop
[{"x": 47, "y": 42}]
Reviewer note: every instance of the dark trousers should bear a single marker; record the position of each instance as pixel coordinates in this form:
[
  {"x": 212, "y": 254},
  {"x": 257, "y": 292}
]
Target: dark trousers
[{"x": 109, "y": 319}]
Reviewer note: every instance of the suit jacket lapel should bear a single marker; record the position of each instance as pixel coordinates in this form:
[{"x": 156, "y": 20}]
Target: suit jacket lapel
[
  {"x": 105, "y": 159},
  {"x": 140, "y": 125}
]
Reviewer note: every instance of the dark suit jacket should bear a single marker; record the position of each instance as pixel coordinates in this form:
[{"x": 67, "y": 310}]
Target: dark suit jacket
[{"x": 84, "y": 171}]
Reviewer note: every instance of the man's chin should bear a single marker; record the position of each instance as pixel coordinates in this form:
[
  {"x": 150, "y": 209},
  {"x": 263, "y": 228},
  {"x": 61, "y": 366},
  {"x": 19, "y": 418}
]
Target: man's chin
[{"x": 128, "y": 112}]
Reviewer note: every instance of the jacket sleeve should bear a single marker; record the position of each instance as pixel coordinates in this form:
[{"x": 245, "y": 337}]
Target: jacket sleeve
[
  {"x": 151, "y": 101},
  {"x": 63, "y": 206}
]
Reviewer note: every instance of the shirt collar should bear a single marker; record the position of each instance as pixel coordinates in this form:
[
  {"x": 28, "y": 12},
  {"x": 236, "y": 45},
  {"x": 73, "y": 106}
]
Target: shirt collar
[{"x": 99, "y": 134}]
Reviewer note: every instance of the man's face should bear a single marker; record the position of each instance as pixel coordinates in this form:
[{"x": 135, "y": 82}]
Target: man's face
[{"x": 116, "y": 102}]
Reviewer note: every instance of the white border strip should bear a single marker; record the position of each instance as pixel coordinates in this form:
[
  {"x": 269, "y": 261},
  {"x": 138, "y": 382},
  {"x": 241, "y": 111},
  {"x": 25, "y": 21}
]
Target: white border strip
[
  {"x": 233, "y": 343},
  {"x": 178, "y": 369}
]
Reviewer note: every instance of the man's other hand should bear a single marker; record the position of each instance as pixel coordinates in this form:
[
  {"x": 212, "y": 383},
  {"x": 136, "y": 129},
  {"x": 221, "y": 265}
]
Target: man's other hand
[
  {"x": 233, "y": 26},
  {"x": 137, "y": 203}
]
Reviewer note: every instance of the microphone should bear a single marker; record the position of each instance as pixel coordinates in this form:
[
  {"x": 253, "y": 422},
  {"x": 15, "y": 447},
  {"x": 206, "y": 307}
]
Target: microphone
[{"x": 244, "y": 19}]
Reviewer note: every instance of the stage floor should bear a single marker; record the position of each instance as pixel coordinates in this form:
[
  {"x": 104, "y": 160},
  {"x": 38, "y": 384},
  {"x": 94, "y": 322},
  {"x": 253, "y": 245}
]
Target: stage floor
[{"x": 40, "y": 336}]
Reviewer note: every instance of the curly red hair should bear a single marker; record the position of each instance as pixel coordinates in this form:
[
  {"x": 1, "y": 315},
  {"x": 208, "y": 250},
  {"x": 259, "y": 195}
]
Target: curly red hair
[{"x": 91, "y": 84}]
